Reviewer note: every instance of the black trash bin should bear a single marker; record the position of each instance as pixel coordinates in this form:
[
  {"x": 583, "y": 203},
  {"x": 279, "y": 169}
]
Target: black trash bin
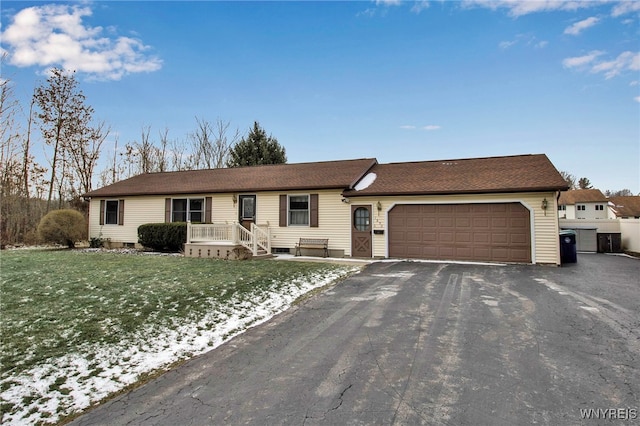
[{"x": 568, "y": 251}]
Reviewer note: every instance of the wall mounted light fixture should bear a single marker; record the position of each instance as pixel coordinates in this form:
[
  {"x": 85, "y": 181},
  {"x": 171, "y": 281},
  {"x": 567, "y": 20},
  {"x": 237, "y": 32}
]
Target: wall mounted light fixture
[
  {"x": 544, "y": 206},
  {"x": 234, "y": 198},
  {"x": 379, "y": 206}
]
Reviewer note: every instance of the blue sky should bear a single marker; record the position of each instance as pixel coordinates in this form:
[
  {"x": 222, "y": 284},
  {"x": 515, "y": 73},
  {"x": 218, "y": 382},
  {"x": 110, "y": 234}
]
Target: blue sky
[{"x": 399, "y": 81}]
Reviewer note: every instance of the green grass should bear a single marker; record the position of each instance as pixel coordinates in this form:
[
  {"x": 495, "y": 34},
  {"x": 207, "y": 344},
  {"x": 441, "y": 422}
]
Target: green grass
[{"x": 54, "y": 303}]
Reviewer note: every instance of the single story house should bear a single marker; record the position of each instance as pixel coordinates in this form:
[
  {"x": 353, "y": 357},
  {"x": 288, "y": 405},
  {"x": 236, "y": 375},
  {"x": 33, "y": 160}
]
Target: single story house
[
  {"x": 498, "y": 209},
  {"x": 584, "y": 204}
]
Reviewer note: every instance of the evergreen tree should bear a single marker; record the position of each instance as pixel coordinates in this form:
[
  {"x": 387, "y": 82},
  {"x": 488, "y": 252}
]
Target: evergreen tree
[
  {"x": 255, "y": 149},
  {"x": 584, "y": 183}
]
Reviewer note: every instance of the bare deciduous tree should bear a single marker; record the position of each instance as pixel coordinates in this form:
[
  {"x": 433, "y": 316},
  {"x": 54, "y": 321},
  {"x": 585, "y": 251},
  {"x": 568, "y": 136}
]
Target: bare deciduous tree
[
  {"x": 211, "y": 144},
  {"x": 65, "y": 122},
  {"x": 569, "y": 178}
]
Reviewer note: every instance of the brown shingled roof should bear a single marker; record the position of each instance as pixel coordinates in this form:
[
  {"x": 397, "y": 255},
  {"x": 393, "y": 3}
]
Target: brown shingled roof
[
  {"x": 581, "y": 196},
  {"x": 300, "y": 176},
  {"x": 626, "y": 206},
  {"x": 476, "y": 175}
]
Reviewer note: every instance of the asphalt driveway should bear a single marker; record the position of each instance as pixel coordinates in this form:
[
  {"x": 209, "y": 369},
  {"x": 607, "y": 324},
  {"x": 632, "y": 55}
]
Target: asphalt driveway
[{"x": 419, "y": 343}]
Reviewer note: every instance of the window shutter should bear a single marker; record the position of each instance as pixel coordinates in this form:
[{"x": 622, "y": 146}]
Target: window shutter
[
  {"x": 283, "y": 210},
  {"x": 102, "y": 206},
  {"x": 167, "y": 209},
  {"x": 313, "y": 210},
  {"x": 120, "y": 212},
  {"x": 208, "y": 202}
]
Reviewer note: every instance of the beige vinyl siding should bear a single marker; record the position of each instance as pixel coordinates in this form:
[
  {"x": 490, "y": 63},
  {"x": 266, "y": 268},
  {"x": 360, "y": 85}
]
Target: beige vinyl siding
[
  {"x": 333, "y": 220},
  {"x": 545, "y": 247},
  {"x": 137, "y": 211}
]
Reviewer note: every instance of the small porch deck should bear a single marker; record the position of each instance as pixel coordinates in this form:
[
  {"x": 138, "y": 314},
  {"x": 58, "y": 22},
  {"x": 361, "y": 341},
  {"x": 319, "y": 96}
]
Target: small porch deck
[{"x": 227, "y": 241}]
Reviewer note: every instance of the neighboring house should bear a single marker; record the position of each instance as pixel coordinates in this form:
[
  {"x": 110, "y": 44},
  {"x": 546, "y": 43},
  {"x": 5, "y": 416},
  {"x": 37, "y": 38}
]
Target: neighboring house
[
  {"x": 583, "y": 204},
  {"x": 488, "y": 209},
  {"x": 625, "y": 207}
]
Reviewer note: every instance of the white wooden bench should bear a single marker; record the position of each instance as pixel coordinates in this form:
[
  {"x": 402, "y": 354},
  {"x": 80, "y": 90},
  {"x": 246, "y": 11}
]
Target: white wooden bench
[{"x": 313, "y": 243}]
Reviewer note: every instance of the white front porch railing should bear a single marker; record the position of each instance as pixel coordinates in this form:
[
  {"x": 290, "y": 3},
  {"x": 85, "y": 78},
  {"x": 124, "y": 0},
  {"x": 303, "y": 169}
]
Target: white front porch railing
[{"x": 255, "y": 239}]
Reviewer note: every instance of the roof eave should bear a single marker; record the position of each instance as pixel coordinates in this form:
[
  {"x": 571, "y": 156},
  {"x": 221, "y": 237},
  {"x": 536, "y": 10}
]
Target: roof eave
[{"x": 352, "y": 193}]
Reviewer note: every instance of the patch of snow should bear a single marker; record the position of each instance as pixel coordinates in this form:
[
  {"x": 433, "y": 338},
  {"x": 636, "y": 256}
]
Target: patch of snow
[
  {"x": 366, "y": 182},
  {"x": 71, "y": 383}
]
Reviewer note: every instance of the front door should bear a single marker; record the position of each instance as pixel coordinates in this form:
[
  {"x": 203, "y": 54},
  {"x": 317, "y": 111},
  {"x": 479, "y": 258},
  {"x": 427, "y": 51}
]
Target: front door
[
  {"x": 247, "y": 210},
  {"x": 361, "y": 231}
]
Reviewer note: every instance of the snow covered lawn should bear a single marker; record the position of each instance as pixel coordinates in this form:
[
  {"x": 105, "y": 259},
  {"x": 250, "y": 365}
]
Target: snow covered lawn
[{"x": 80, "y": 325}]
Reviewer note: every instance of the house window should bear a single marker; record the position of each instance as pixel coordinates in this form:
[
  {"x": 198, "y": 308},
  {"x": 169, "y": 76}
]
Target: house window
[
  {"x": 581, "y": 207},
  {"x": 111, "y": 212},
  {"x": 562, "y": 207},
  {"x": 599, "y": 207},
  {"x": 299, "y": 210},
  {"x": 187, "y": 209}
]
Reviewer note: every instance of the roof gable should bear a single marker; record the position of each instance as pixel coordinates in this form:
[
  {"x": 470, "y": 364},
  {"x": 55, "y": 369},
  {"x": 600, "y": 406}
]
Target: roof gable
[
  {"x": 476, "y": 175},
  {"x": 581, "y": 196},
  {"x": 277, "y": 177}
]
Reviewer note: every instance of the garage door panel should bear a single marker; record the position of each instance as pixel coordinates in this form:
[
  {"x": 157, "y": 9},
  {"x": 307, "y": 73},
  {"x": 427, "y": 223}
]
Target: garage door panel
[
  {"x": 429, "y": 222},
  {"x": 480, "y": 208},
  {"x": 482, "y": 238},
  {"x": 430, "y": 236},
  {"x": 463, "y": 222},
  {"x": 446, "y": 222},
  {"x": 482, "y": 253},
  {"x": 463, "y": 237},
  {"x": 499, "y": 222},
  {"x": 445, "y": 237},
  {"x": 481, "y": 222},
  {"x": 519, "y": 239},
  {"x": 489, "y": 232},
  {"x": 499, "y": 238}
]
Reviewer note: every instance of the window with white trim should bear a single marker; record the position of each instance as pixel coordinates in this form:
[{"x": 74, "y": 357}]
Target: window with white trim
[
  {"x": 191, "y": 209},
  {"x": 581, "y": 207},
  {"x": 298, "y": 206},
  {"x": 599, "y": 207}
]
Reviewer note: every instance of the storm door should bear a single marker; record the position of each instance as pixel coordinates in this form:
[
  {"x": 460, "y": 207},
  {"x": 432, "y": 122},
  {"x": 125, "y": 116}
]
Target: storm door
[{"x": 247, "y": 210}]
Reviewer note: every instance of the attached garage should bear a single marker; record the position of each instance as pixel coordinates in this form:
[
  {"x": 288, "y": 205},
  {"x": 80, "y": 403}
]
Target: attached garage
[{"x": 497, "y": 232}]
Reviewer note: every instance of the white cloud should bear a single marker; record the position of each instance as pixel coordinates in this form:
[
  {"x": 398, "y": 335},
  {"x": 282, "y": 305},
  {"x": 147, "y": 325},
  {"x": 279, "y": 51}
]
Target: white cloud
[
  {"x": 634, "y": 83},
  {"x": 580, "y": 61},
  {"x": 507, "y": 44},
  {"x": 625, "y": 7},
  {"x": 580, "y": 26},
  {"x": 626, "y": 61},
  {"x": 54, "y": 35},
  {"x": 419, "y": 6},
  {"x": 524, "y": 39},
  {"x": 637, "y": 99},
  {"x": 429, "y": 127},
  {"x": 388, "y": 2},
  {"x": 519, "y": 8}
]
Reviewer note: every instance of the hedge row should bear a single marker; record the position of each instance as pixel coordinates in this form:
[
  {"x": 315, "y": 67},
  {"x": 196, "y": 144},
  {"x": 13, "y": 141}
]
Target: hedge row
[{"x": 163, "y": 236}]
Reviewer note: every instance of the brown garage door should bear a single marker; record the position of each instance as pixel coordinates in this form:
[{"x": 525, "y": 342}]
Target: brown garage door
[{"x": 480, "y": 232}]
